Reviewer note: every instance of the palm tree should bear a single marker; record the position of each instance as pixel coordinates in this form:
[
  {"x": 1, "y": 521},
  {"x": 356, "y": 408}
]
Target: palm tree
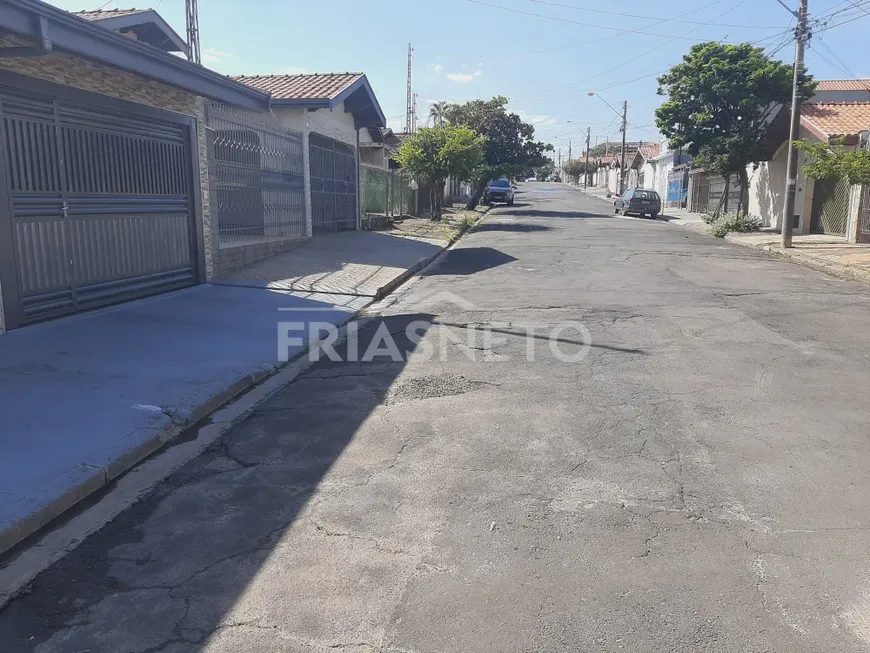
[{"x": 436, "y": 113}]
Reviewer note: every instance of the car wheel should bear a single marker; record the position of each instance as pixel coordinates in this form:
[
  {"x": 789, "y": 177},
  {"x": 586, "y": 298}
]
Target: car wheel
[
  {"x": 654, "y": 216},
  {"x": 510, "y": 202},
  {"x": 615, "y": 209}
]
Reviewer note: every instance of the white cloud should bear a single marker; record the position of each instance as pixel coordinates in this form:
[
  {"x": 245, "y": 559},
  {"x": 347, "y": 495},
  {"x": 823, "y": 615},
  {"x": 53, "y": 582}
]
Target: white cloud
[
  {"x": 464, "y": 78},
  {"x": 538, "y": 120},
  {"x": 213, "y": 55},
  {"x": 438, "y": 67}
]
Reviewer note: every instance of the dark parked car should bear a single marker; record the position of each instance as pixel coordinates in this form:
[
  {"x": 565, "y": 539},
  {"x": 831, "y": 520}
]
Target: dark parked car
[
  {"x": 639, "y": 202},
  {"x": 500, "y": 190}
]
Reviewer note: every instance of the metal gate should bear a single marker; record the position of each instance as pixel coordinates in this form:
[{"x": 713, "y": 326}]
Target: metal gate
[
  {"x": 100, "y": 205},
  {"x": 334, "y": 201},
  {"x": 259, "y": 177},
  {"x": 830, "y": 207},
  {"x": 864, "y": 215}
]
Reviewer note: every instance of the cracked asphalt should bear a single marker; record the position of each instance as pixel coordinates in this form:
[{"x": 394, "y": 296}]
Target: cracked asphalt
[{"x": 698, "y": 481}]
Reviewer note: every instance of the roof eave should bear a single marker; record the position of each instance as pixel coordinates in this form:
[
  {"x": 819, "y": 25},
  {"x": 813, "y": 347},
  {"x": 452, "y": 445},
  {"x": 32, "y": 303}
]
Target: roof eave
[
  {"x": 147, "y": 16},
  {"x": 303, "y": 103},
  {"x": 89, "y": 39},
  {"x": 362, "y": 83}
]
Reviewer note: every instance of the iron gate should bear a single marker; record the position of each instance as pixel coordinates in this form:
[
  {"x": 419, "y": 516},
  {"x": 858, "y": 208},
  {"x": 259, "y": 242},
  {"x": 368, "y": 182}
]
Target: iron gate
[
  {"x": 334, "y": 201},
  {"x": 100, "y": 205},
  {"x": 830, "y": 207},
  {"x": 864, "y": 215},
  {"x": 259, "y": 177}
]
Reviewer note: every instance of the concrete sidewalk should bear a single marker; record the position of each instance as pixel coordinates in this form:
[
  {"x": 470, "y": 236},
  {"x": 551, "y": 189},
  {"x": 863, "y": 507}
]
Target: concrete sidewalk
[
  {"x": 363, "y": 263},
  {"x": 87, "y": 397}
]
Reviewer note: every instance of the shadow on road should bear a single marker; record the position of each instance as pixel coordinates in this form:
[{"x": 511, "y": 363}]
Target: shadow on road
[
  {"x": 469, "y": 260},
  {"x": 166, "y": 572},
  {"x": 537, "y": 213},
  {"x": 519, "y": 228}
]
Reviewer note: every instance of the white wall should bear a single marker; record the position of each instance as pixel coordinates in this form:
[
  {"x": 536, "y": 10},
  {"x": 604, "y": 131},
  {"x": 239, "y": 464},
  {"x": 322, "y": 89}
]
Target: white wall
[
  {"x": 767, "y": 189},
  {"x": 648, "y": 171},
  {"x": 332, "y": 123}
]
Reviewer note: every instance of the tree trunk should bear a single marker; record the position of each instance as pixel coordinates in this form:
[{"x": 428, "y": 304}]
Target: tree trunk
[
  {"x": 437, "y": 199},
  {"x": 478, "y": 193},
  {"x": 726, "y": 193},
  {"x": 744, "y": 191}
]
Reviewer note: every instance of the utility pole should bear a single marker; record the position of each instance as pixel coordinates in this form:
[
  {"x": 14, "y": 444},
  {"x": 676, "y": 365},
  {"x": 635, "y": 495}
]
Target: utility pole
[
  {"x": 569, "y": 150},
  {"x": 586, "y": 168},
  {"x": 409, "y": 110},
  {"x": 801, "y": 35},
  {"x": 192, "y": 19},
  {"x": 414, "y": 114},
  {"x": 560, "y": 159},
  {"x": 622, "y": 163}
]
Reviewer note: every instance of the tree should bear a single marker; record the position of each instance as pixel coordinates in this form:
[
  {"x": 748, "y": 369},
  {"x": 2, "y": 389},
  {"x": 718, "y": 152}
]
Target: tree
[
  {"x": 509, "y": 146},
  {"x": 436, "y": 113},
  {"x": 833, "y": 161},
  {"x": 720, "y": 102},
  {"x": 432, "y": 154},
  {"x": 544, "y": 171},
  {"x": 576, "y": 168}
]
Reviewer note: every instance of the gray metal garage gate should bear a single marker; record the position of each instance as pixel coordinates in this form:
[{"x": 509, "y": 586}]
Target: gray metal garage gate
[
  {"x": 100, "y": 206},
  {"x": 334, "y": 201}
]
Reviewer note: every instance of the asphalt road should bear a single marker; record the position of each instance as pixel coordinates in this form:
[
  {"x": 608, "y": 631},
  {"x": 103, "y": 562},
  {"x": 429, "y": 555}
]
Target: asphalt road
[{"x": 695, "y": 478}]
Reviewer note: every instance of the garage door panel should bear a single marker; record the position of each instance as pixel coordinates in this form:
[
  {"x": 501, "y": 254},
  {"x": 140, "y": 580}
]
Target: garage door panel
[{"x": 101, "y": 205}]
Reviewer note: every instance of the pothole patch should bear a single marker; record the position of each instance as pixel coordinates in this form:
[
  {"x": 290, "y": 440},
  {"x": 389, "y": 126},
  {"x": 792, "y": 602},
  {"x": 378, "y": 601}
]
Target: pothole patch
[{"x": 430, "y": 387}]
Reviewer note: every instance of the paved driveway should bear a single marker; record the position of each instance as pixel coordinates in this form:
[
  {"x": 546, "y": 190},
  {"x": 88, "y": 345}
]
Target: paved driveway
[{"x": 697, "y": 481}]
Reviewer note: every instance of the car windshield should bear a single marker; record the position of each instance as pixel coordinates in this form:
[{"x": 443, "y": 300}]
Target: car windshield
[
  {"x": 646, "y": 195},
  {"x": 501, "y": 183}
]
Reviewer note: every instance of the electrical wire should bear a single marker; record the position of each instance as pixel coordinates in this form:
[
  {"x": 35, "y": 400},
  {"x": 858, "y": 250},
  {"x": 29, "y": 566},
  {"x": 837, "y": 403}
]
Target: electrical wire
[
  {"x": 656, "y": 18},
  {"x": 840, "y": 63},
  {"x": 575, "y": 22},
  {"x": 630, "y": 61}
]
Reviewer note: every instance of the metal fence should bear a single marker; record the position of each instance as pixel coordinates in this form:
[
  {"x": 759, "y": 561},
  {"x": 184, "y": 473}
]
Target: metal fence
[
  {"x": 864, "y": 215},
  {"x": 830, "y": 207},
  {"x": 707, "y": 192},
  {"x": 385, "y": 192},
  {"x": 258, "y": 175}
]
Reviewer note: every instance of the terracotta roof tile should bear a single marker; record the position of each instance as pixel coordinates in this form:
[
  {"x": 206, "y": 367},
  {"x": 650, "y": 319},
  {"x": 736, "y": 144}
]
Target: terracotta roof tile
[
  {"x": 319, "y": 86},
  {"x": 98, "y": 14},
  {"x": 836, "y": 118},
  {"x": 650, "y": 150},
  {"x": 843, "y": 85}
]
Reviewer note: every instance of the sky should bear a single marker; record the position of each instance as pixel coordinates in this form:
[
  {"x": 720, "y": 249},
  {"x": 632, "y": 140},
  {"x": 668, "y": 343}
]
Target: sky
[{"x": 546, "y": 56}]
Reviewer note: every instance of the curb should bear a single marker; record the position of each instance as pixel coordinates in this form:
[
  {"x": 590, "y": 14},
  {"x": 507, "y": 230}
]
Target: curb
[
  {"x": 832, "y": 269},
  {"x": 137, "y": 471}
]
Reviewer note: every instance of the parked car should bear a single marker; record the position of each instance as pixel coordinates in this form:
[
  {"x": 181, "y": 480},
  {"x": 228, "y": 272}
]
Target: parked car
[
  {"x": 557, "y": 179},
  {"x": 532, "y": 179},
  {"x": 500, "y": 190},
  {"x": 639, "y": 202}
]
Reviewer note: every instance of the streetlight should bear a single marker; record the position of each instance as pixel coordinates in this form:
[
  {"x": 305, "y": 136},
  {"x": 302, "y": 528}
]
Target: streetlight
[{"x": 593, "y": 94}]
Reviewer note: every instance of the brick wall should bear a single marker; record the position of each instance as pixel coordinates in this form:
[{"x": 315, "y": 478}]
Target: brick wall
[
  {"x": 233, "y": 258},
  {"x": 78, "y": 72}
]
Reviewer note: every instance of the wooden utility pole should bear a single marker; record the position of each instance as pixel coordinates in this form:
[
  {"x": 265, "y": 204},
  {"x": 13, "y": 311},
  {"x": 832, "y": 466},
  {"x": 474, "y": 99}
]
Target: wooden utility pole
[
  {"x": 622, "y": 162},
  {"x": 801, "y": 36},
  {"x": 586, "y": 169}
]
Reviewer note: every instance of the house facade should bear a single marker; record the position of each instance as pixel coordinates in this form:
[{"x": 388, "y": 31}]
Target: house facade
[
  {"x": 105, "y": 168},
  {"x": 838, "y": 112},
  {"x": 128, "y": 171}
]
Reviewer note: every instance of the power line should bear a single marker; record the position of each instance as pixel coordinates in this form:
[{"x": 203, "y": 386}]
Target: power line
[
  {"x": 633, "y": 59},
  {"x": 843, "y": 66},
  {"x": 656, "y": 18},
  {"x": 575, "y": 22}
]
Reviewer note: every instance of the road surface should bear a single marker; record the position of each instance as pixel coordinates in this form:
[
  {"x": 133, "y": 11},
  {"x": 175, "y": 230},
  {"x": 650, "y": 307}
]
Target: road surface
[{"x": 676, "y": 459}]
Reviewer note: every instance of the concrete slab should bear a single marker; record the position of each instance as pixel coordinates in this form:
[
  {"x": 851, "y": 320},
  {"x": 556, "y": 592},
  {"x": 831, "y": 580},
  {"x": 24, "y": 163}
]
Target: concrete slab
[
  {"x": 363, "y": 263},
  {"x": 87, "y": 397}
]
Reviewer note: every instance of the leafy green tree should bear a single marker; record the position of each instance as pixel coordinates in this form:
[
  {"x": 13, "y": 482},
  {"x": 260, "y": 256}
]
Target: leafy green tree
[
  {"x": 544, "y": 171},
  {"x": 833, "y": 161},
  {"x": 436, "y": 113},
  {"x": 432, "y": 154},
  {"x": 509, "y": 147},
  {"x": 576, "y": 168},
  {"x": 720, "y": 102}
]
